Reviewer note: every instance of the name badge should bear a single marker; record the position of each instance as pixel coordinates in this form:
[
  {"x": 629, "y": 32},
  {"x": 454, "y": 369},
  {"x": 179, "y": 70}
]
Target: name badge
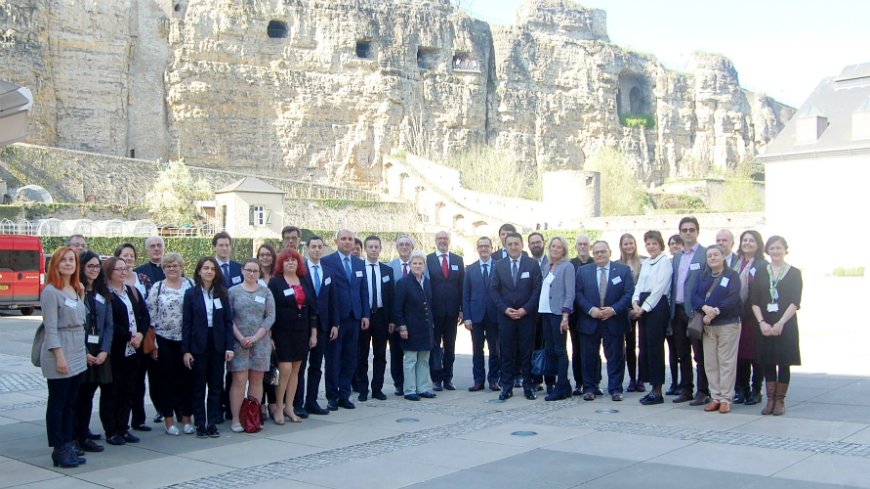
[
  {"x": 385, "y": 279},
  {"x": 217, "y": 304},
  {"x": 524, "y": 275},
  {"x": 70, "y": 303},
  {"x": 358, "y": 273},
  {"x": 616, "y": 281},
  {"x": 724, "y": 282},
  {"x": 455, "y": 268},
  {"x": 752, "y": 271},
  {"x": 773, "y": 307},
  {"x": 99, "y": 298},
  {"x": 550, "y": 278},
  {"x": 327, "y": 281},
  {"x": 237, "y": 280},
  {"x": 260, "y": 299},
  {"x": 288, "y": 292},
  {"x": 93, "y": 339},
  {"x": 695, "y": 266}
]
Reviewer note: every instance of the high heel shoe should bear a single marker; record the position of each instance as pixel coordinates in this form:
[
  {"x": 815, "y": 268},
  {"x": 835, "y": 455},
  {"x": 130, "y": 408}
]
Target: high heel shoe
[
  {"x": 292, "y": 417},
  {"x": 61, "y": 458}
]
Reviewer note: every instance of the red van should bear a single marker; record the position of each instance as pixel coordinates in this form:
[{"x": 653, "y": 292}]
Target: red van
[{"x": 22, "y": 272}]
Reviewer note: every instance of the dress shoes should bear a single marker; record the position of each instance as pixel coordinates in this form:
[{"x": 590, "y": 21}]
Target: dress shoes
[
  {"x": 478, "y": 386},
  {"x": 300, "y": 412},
  {"x": 449, "y": 386},
  {"x": 713, "y": 406},
  {"x": 427, "y": 395},
  {"x": 740, "y": 396},
  {"x": 550, "y": 389},
  {"x": 616, "y": 397},
  {"x": 399, "y": 392},
  {"x": 93, "y": 436},
  {"x": 158, "y": 418},
  {"x": 412, "y": 397},
  {"x": 673, "y": 390},
  {"x": 530, "y": 394},
  {"x": 641, "y": 387},
  {"x": 577, "y": 392},
  {"x": 316, "y": 409},
  {"x": 332, "y": 405},
  {"x": 91, "y": 446},
  {"x": 651, "y": 399},
  {"x": 213, "y": 431},
  {"x": 346, "y": 404},
  {"x": 724, "y": 408},
  {"x": 493, "y": 386},
  {"x": 684, "y": 396},
  {"x": 632, "y": 386},
  {"x": 379, "y": 396},
  {"x": 700, "y": 399},
  {"x": 436, "y": 386},
  {"x": 142, "y": 427},
  {"x": 77, "y": 449},
  {"x": 753, "y": 398},
  {"x": 506, "y": 394},
  {"x": 130, "y": 438},
  {"x": 201, "y": 432},
  {"x": 116, "y": 440},
  {"x": 589, "y": 396},
  {"x": 363, "y": 396}
]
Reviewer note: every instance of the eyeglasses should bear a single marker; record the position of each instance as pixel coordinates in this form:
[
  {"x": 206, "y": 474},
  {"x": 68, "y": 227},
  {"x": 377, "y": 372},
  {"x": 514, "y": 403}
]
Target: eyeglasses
[
  {"x": 92, "y": 266},
  {"x": 689, "y": 230},
  {"x": 171, "y": 267},
  {"x": 249, "y": 270},
  {"x": 402, "y": 245},
  {"x": 122, "y": 270}
]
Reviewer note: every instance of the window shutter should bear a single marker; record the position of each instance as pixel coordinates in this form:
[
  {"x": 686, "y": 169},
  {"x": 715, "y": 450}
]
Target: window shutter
[
  {"x": 268, "y": 216},
  {"x": 251, "y": 215}
]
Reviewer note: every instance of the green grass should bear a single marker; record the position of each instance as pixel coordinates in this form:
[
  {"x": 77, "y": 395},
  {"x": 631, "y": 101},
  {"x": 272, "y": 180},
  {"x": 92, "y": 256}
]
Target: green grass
[{"x": 634, "y": 120}]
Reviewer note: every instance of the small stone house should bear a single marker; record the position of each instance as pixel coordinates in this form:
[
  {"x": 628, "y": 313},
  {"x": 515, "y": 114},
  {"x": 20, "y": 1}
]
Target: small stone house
[{"x": 250, "y": 208}]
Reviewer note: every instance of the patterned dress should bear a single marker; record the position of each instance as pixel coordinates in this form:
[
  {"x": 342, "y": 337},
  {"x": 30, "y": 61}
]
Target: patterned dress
[{"x": 252, "y": 311}]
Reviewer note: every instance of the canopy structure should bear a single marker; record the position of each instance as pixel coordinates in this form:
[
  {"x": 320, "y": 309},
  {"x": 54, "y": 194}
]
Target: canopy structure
[{"x": 15, "y": 103}]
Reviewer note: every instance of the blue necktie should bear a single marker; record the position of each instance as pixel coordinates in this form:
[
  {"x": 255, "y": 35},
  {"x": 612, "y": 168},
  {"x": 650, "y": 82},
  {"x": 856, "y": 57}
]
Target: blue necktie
[
  {"x": 225, "y": 268},
  {"x": 347, "y": 269},
  {"x": 317, "y": 280}
]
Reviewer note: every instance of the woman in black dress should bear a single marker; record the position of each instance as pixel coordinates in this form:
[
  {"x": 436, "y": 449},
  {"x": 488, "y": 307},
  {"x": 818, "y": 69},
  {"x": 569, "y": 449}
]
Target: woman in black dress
[
  {"x": 750, "y": 259},
  {"x": 295, "y": 329},
  {"x": 776, "y": 297}
]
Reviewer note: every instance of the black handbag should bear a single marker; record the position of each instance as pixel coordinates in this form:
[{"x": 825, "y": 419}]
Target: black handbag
[
  {"x": 541, "y": 365},
  {"x": 271, "y": 376}
]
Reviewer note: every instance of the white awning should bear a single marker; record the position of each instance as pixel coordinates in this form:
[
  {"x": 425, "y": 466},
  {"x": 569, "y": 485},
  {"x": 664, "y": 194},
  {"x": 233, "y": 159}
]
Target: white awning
[{"x": 15, "y": 102}]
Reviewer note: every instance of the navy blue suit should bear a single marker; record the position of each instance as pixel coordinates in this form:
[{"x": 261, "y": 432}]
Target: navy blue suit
[
  {"x": 620, "y": 287},
  {"x": 479, "y": 308},
  {"x": 208, "y": 347},
  {"x": 235, "y": 275},
  {"x": 353, "y": 306},
  {"x": 446, "y": 306},
  {"x": 516, "y": 336},
  {"x": 327, "y": 317}
]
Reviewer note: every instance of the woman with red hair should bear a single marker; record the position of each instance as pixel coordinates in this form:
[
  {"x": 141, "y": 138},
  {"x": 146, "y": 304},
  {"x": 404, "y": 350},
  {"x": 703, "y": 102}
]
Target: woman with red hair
[
  {"x": 295, "y": 329},
  {"x": 62, "y": 355}
]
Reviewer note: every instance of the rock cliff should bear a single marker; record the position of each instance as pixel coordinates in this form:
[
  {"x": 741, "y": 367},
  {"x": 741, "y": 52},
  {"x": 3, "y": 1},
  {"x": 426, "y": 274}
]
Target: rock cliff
[{"x": 323, "y": 89}]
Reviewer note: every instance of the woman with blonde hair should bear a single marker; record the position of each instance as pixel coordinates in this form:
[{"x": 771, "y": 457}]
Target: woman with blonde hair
[{"x": 628, "y": 255}]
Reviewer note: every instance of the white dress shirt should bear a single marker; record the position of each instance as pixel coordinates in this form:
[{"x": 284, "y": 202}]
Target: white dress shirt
[
  {"x": 377, "y": 271},
  {"x": 655, "y": 277}
]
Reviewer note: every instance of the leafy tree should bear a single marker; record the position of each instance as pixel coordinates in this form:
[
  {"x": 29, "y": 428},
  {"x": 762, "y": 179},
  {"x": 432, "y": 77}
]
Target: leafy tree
[
  {"x": 621, "y": 191},
  {"x": 486, "y": 170},
  {"x": 171, "y": 199}
]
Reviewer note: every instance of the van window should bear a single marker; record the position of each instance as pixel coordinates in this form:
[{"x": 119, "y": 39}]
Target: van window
[{"x": 19, "y": 261}]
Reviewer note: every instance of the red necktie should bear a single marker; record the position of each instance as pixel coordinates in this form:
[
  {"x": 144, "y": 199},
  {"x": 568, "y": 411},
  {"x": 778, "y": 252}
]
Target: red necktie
[
  {"x": 404, "y": 269},
  {"x": 444, "y": 266}
]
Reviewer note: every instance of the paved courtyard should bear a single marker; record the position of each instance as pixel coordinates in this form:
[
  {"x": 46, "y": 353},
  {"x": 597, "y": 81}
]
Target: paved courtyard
[{"x": 463, "y": 439}]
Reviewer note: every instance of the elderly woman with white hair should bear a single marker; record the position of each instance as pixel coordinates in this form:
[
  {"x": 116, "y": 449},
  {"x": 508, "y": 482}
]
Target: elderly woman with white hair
[{"x": 413, "y": 318}]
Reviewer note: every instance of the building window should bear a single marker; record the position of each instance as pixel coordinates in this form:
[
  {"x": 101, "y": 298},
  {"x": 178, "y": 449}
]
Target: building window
[
  {"x": 277, "y": 29},
  {"x": 257, "y": 215}
]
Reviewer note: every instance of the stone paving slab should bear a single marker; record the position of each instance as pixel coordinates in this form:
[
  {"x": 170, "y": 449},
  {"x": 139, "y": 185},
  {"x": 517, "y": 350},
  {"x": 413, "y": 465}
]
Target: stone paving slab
[
  {"x": 370, "y": 472},
  {"x": 830, "y": 468},
  {"x": 731, "y": 458},
  {"x": 454, "y": 453},
  {"x": 555, "y": 467}
]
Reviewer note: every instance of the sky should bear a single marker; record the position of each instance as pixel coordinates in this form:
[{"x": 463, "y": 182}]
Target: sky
[{"x": 781, "y": 47}]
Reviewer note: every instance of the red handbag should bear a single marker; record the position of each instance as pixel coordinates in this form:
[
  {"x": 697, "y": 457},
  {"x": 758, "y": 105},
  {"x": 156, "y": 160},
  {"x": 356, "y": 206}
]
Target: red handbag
[{"x": 250, "y": 415}]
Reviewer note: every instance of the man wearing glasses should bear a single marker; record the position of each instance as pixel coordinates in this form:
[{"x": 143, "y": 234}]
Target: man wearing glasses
[
  {"x": 401, "y": 268},
  {"x": 689, "y": 264},
  {"x": 154, "y": 248},
  {"x": 290, "y": 237}
]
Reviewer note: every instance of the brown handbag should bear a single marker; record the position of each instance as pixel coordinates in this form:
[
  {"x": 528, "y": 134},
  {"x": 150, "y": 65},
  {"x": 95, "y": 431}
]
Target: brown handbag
[
  {"x": 695, "y": 330},
  {"x": 149, "y": 343}
]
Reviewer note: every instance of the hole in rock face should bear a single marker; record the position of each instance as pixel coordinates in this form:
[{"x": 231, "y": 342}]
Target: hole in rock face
[
  {"x": 428, "y": 58},
  {"x": 277, "y": 29},
  {"x": 177, "y": 7},
  {"x": 364, "y": 49}
]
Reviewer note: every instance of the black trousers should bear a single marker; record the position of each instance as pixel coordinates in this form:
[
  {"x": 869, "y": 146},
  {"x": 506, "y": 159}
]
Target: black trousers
[
  {"x": 653, "y": 325},
  {"x": 397, "y": 356},
  {"x": 85, "y": 406},
  {"x": 517, "y": 340},
  {"x": 147, "y": 366},
  {"x": 747, "y": 368},
  {"x": 444, "y": 353},
  {"x": 673, "y": 358},
  {"x": 614, "y": 352},
  {"x": 60, "y": 411},
  {"x": 377, "y": 335},
  {"x": 176, "y": 380},
  {"x": 125, "y": 374},
  {"x": 554, "y": 342},
  {"x": 306, "y": 391},
  {"x": 685, "y": 348},
  {"x": 208, "y": 372}
]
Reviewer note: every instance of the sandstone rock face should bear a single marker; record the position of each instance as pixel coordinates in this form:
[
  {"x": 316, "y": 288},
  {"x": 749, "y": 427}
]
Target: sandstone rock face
[{"x": 325, "y": 89}]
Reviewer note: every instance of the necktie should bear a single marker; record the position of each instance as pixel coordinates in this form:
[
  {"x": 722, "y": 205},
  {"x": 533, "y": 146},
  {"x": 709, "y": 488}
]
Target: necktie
[
  {"x": 602, "y": 285},
  {"x": 444, "y": 268},
  {"x": 486, "y": 274},
  {"x": 317, "y": 280},
  {"x": 404, "y": 270},
  {"x": 225, "y": 268},
  {"x": 374, "y": 288},
  {"x": 347, "y": 269},
  {"x": 514, "y": 269}
]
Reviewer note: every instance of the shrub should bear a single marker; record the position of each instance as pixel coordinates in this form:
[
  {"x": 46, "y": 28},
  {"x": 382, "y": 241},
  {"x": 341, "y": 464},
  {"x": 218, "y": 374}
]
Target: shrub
[
  {"x": 634, "y": 120},
  {"x": 488, "y": 171},
  {"x": 621, "y": 192}
]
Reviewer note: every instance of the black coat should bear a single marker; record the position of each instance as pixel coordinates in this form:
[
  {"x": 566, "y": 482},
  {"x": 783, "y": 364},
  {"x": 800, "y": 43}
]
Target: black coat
[
  {"x": 288, "y": 315},
  {"x": 446, "y": 292},
  {"x": 411, "y": 310},
  {"x": 194, "y": 324},
  {"x": 122, "y": 334}
]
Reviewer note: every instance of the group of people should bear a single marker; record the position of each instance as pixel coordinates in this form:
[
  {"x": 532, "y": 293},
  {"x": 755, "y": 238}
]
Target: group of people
[{"x": 270, "y": 328}]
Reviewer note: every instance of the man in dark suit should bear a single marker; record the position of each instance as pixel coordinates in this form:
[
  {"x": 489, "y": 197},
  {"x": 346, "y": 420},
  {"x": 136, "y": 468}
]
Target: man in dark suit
[
  {"x": 481, "y": 316},
  {"x": 446, "y": 274},
  {"x": 222, "y": 244},
  {"x": 689, "y": 264},
  {"x": 603, "y": 301},
  {"x": 352, "y": 292},
  {"x": 582, "y": 245},
  {"x": 323, "y": 284},
  {"x": 503, "y": 231},
  {"x": 379, "y": 278},
  {"x": 151, "y": 272},
  {"x": 515, "y": 287}
]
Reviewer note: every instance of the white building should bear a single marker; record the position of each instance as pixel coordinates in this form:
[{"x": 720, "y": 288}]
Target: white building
[{"x": 250, "y": 208}]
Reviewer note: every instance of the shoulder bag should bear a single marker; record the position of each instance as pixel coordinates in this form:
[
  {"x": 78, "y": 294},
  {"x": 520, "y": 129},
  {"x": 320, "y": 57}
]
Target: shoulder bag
[
  {"x": 695, "y": 330},
  {"x": 36, "y": 349},
  {"x": 249, "y": 415}
]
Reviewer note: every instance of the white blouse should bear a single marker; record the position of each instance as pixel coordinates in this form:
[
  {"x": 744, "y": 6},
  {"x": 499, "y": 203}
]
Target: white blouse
[{"x": 655, "y": 278}]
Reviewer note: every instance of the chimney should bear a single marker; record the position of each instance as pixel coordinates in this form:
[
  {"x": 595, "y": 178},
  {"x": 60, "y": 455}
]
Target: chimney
[
  {"x": 810, "y": 123},
  {"x": 861, "y": 121}
]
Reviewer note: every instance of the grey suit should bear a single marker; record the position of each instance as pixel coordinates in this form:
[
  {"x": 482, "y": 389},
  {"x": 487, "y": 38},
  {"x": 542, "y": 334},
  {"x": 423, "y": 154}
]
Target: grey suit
[{"x": 680, "y": 321}]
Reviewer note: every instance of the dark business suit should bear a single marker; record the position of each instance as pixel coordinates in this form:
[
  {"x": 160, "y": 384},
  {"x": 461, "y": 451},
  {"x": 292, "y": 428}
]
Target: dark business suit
[
  {"x": 125, "y": 369},
  {"x": 620, "y": 287},
  {"x": 680, "y": 322},
  {"x": 149, "y": 274},
  {"x": 235, "y": 274},
  {"x": 516, "y": 336},
  {"x": 353, "y": 305},
  {"x": 576, "y": 347},
  {"x": 446, "y": 307},
  {"x": 378, "y": 332},
  {"x": 479, "y": 308},
  {"x": 327, "y": 317},
  {"x": 208, "y": 347}
]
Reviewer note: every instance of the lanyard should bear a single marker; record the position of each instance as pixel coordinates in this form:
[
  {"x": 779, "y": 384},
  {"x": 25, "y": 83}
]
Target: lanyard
[{"x": 774, "y": 294}]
